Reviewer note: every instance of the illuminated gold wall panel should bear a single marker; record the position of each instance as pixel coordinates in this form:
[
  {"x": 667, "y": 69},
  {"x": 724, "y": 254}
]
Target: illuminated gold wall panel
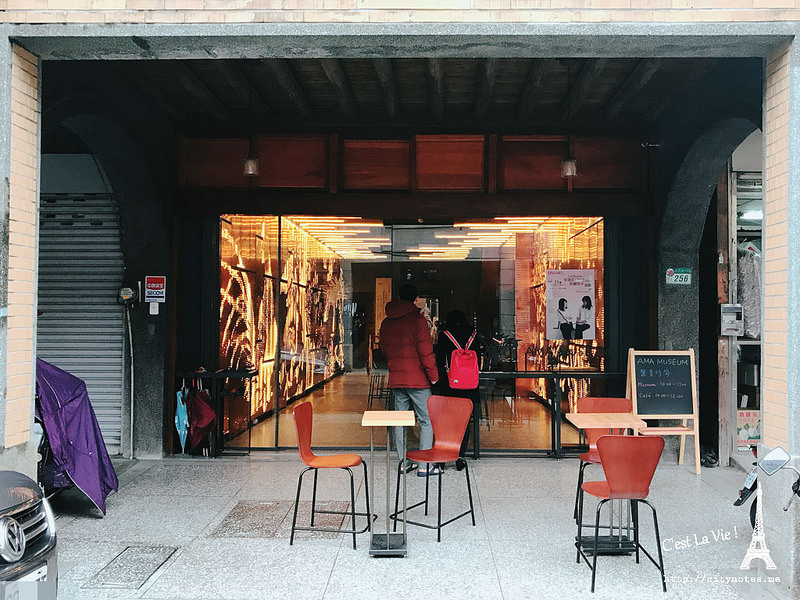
[
  {"x": 310, "y": 305},
  {"x": 248, "y": 328},
  {"x": 312, "y": 299}
]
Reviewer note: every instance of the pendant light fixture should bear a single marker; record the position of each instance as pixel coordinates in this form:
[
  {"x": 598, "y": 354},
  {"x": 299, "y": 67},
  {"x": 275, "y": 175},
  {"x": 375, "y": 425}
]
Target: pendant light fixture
[
  {"x": 569, "y": 165},
  {"x": 250, "y": 164}
]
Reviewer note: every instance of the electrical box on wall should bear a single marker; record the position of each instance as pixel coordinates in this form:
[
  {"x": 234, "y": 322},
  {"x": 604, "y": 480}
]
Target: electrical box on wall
[{"x": 731, "y": 321}]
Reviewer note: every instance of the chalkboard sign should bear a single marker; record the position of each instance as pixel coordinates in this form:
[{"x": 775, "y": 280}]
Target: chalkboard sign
[{"x": 662, "y": 384}]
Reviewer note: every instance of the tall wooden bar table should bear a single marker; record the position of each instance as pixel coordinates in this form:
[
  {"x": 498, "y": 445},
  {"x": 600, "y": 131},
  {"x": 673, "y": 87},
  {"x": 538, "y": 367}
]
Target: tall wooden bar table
[
  {"x": 390, "y": 544},
  {"x": 606, "y": 421}
]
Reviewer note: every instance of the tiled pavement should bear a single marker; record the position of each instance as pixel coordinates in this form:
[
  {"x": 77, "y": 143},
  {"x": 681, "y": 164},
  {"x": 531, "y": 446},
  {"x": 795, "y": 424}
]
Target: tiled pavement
[{"x": 203, "y": 529}]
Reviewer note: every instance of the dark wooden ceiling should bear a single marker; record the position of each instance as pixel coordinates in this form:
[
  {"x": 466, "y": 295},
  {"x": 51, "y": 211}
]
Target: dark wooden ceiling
[{"x": 234, "y": 97}]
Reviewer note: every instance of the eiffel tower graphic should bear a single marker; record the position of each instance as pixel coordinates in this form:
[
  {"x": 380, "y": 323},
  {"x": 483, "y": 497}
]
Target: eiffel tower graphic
[{"x": 758, "y": 545}]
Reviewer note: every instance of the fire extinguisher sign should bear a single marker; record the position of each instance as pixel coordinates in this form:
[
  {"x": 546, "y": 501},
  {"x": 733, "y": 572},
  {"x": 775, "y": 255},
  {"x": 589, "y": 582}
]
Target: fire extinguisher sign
[{"x": 155, "y": 288}]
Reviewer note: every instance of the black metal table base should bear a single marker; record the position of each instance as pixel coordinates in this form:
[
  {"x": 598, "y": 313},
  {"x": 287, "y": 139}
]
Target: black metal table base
[{"x": 392, "y": 545}]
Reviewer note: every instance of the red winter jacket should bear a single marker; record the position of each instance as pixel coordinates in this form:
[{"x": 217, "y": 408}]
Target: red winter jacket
[{"x": 406, "y": 343}]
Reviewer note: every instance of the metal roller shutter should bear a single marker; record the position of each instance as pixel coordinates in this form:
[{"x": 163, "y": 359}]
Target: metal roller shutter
[{"x": 81, "y": 328}]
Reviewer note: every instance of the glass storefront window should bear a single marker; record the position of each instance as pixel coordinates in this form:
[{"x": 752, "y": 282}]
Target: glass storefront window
[
  {"x": 558, "y": 244},
  {"x": 320, "y": 318}
]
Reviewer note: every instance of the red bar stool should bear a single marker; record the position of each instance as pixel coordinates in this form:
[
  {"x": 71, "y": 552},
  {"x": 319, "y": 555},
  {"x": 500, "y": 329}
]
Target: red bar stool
[
  {"x": 596, "y": 405},
  {"x": 303, "y": 422},
  {"x": 629, "y": 463},
  {"x": 449, "y": 419}
]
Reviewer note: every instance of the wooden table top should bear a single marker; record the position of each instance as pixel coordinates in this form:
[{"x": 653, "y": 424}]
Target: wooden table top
[
  {"x": 388, "y": 418},
  {"x": 605, "y": 420}
]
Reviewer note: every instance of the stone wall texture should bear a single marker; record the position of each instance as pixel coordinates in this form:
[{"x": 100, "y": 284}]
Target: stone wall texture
[{"x": 396, "y": 11}]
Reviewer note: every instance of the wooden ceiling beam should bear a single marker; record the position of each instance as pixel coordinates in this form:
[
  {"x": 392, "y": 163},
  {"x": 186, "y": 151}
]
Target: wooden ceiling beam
[
  {"x": 385, "y": 73},
  {"x": 634, "y": 84},
  {"x": 436, "y": 87},
  {"x": 344, "y": 95},
  {"x": 530, "y": 93},
  {"x": 291, "y": 88},
  {"x": 583, "y": 83},
  {"x": 242, "y": 84},
  {"x": 667, "y": 100},
  {"x": 399, "y": 205},
  {"x": 198, "y": 90},
  {"x": 488, "y": 76}
]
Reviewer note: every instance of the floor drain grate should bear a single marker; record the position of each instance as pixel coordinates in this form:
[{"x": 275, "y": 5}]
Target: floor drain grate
[{"x": 131, "y": 568}]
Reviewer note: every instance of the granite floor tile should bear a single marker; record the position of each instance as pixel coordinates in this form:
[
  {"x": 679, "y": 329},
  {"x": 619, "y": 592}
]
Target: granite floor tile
[
  {"x": 257, "y": 519},
  {"x": 248, "y": 568},
  {"x": 223, "y": 478},
  {"x": 167, "y": 520},
  {"x": 231, "y": 536},
  {"x": 446, "y": 571}
]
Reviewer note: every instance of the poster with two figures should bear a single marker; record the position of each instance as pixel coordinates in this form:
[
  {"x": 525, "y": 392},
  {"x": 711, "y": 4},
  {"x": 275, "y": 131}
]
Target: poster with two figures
[{"x": 570, "y": 301}]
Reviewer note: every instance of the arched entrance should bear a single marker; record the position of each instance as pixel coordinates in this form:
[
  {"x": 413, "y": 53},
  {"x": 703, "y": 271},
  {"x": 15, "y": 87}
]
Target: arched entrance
[{"x": 686, "y": 216}]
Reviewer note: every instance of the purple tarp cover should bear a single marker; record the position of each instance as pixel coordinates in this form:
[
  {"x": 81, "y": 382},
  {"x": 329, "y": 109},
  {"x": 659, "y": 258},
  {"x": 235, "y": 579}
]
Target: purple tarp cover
[{"x": 77, "y": 445}]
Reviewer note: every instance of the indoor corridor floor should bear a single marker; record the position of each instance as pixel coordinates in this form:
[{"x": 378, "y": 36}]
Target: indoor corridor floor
[{"x": 510, "y": 420}]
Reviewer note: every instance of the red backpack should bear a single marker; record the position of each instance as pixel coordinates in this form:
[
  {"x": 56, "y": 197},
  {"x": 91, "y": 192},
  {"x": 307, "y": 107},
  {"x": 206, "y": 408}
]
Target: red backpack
[{"x": 462, "y": 372}]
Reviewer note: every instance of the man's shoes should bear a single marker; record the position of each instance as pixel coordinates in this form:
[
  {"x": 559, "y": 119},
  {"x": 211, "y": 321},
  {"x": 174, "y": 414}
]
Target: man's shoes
[
  {"x": 408, "y": 466},
  {"x": 428, "y": 472}
]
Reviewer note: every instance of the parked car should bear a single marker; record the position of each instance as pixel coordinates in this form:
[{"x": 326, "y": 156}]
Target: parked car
[{"x": 27, "y": 532}]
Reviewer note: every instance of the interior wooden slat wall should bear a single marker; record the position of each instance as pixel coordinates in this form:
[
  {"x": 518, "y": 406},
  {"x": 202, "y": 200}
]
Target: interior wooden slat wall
[{"x": 424, "y": 163}]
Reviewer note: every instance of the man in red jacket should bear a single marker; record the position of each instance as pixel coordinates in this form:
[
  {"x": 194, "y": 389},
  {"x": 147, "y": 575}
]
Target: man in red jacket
[{"x": 406, "y": 343}]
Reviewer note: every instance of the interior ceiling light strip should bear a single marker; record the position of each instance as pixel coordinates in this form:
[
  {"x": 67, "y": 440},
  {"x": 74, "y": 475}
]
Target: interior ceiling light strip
[
  {"x": 341, "y": 235},
  {"x": 356, "y": 239}
]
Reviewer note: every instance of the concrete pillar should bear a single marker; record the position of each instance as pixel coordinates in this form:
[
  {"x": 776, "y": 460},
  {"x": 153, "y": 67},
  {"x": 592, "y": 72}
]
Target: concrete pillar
[{"x": 682, "y": 228}]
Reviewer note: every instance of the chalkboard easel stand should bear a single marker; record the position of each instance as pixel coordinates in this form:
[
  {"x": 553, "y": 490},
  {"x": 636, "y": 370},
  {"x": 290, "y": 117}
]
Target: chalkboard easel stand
[{"x": 662, "y": 385}]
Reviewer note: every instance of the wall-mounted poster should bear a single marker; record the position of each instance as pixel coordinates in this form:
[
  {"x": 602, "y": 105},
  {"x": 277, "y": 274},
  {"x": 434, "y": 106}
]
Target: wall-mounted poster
[{"x": 570, "y": 304}]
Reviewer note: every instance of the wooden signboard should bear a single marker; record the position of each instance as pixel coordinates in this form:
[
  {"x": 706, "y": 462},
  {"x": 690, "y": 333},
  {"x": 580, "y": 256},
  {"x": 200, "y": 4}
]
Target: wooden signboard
[{"x": 662, "y": 385}]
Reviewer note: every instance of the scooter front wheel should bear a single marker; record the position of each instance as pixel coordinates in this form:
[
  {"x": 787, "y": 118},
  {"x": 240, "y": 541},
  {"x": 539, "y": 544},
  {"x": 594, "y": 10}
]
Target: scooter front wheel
[{"x": 753, "y": 509}]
